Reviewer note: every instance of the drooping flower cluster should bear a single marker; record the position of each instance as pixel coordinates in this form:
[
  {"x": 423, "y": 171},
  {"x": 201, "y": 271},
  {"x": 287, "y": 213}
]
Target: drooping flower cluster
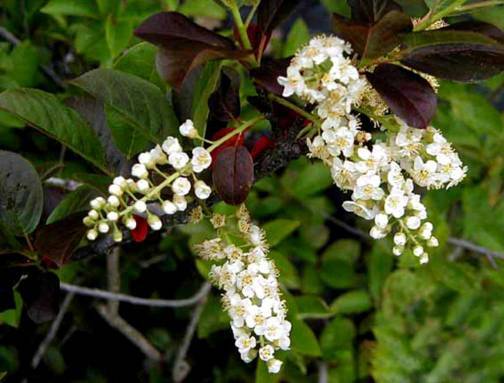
[
  {"x": 251, "y": 292},
  {"x": 380, "y": 175},
  {"x": 163, "y": 176}
]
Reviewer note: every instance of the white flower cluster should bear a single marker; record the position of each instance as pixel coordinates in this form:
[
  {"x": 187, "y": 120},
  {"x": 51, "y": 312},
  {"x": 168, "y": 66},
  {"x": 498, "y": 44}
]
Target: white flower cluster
[
  {"x": 251, "y": 295},
  {"x": 321, "y": 74},
  {"x": 164, "y": 175},
  {"x": 376, "y": 173}
]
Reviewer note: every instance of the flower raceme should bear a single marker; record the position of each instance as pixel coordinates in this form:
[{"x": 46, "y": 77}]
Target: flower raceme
[
  {"x": 251, "y": 291},
  {"x": 379, "y": 174},
  {"x": 165, "y": 175}
]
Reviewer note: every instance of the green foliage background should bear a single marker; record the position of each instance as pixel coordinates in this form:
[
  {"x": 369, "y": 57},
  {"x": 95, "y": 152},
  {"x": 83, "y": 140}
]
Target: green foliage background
[{"x": 359, "y": 314}]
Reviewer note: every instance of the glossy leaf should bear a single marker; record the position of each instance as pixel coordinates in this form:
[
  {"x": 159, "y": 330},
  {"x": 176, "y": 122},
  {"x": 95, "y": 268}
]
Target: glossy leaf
[
  {"x": 267, "y": 74},
  {"x": 73, "y": 202},
  {"x": 271, "y": 13},
  {"x": 141, "y": 103},
  {"x": 46, "y": 113},
  {"x": 279, "y": 229},
  {"x": 407, "y": 94},
  {"x": 139, "y": 60},
  {"x": 454, "y": 55},
  {"x": 372, "y": 41},
  {"x": 40, "y": 292},
  {"x": 233, "y": 174},
  {"x": 371, "y": 11},
  {"x": 56, "y": 241},
  {"x": 21, "y": 195},
  {"x": 184, "y": 45},
  {"x": 224, "y": 103}
]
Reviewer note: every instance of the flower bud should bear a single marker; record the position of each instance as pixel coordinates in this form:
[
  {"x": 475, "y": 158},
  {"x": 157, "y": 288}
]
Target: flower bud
[
  {"x": 181, "y": 186},
  {"x": 400, "y": 239},
  {"x": 113, "y": 201},
  {"x": 140, "y": 206},
  {"x": 112, "y": 216},
  {"x": 93, "y": 214},
  {"x": 115, "y": 190},
  {"x": 117, "y": 235},
  {"x": 187, "y": 129},
  {"x": 130, "y": 223},
  {"x": 381, "y": 220},
  {"x": 97, "y": 203},
  {"x": 92, "y": 234},
  {"x": 169, "y": 207},
  {"x": 143, "y": 186},
  {"x": 418, "y": 251},
  {"x": 139, "y": 171},
  {"x": 202, "y": 190},
  {"x": 154, "y": 222},
  {"x": 103, "y": 228}
]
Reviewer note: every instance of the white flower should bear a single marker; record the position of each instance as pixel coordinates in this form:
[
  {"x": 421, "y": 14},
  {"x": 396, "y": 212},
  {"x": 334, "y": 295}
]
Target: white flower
[
  {"x": 154, "y": 222},
  {"x": 368, "y": 187},
  {"x": 359, "y": 209},
  {"x": 143, "y": 186},
  {"x": 181, "y": 186},
  {"x": 140, "y": 206},
  {"x": 424, "y": 172},
  {"x": 130, "y": 223},
  {"x": 201, "y": 159},
  {"x": 180, "y": 202},
  {"x": 112, "y": 216},
  {"x": 103, "y": 227},
  {"x": 178, "y": 160},
  {"x": 202, "y": 190},
  {"x": 97, "y": 203},
  {"x": 245, "y": 344},
  {"x": 146, "y": 160},
  {"x": 266, "y": 352},
  {"x": 115, "y": 190},
  {"x": 413, "y": 222},
  {"x": 187, "y": 129},
  {"x": 377, "y": 233},
  {"x": 418, "y": 251},
  {"x": 381, "y": 220},
  {"x": 92, "y": 234},
  {"x": 171, "y": 145},
  {"x": 400, "y": 239},
  {"x": 274, "y": 366},
  {"x": 113, "y": 201},
  {"x": 139, "y": 171},
  {"x": 273, "y": 329},
  {"x": 169, "y": 207},
  {"x": 395, "y": 203}
]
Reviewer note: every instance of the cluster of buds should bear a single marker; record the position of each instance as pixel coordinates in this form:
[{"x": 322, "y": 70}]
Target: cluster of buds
[
  {"x": 380, "y": 175},
  {"x": 161, "y": 183},
  {"x": 251, "y": 291}
]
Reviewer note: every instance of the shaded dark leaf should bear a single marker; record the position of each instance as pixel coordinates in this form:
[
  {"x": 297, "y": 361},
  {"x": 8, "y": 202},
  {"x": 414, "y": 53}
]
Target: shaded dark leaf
[
  {"x": 184, "y": 45},
  {"x": 21, "y": 195},
  {"x": 258, "y": 39},
  {"x": 224, "y": 103},
  {"x": 8, "y": 278},
  {"x": 486, "y": 29},
  {"x": 271, "y": 13},
  {"x": 371, "y": 41},
  {"x": 371, "y": 11},
  {"x": 454, "y": 55},
  {"x": 267, "y": 74},
  {"x": 407, "y": 94},
  {"x": 40, "y": 292},
  {"x": 233, "y": 174},
  {"x": 57, "y": 241},
  {"x": 93, "y": 111}
]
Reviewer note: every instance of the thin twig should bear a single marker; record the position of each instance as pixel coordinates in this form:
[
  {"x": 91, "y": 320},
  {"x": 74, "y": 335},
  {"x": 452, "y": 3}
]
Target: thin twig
[
  {"x": 8, "y": 36},
  {"x": 135, "y": 336},
  {"x": 180, "y": 367},
  {"x": 103, "y": 294},
  {"x": 458, "y": 242},
  {"x": 323, "y": 374},
  {"x": 42, "y": 348},
  {"x": 113, "y": 278}
]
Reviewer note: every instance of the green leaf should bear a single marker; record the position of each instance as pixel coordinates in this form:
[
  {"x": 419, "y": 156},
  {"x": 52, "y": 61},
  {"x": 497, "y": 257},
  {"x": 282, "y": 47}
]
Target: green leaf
[
  {"x": 303, "y": 339},
  {"x": 279, "y": 229},
  {"x": 288, "y": 272},
  {"x": 46, "y": 113},
  {"x": 13, "y": 316},
  {"x": 352, "y": 302},
  {"x": 337, "y": 269},
  {"x": 118, "y": 34},
  {"x": 337, "y": 335},
  {"x": 311, "y": 180},
  {"x": 298, "y": 36},
  {"x": 128, "y": 141},
  {"x": 379, "y": 264},
  {"x": 263, "y": 376},
  {"x": 139, "y": 60},
  {"x": 205, "y": 86},
  {"x": 202, "y": 8},
  {"x": 139, "y": 102},
  {"x": 84, "y": 8},
  {"x": 75, "y": 201},
  {"x": 213, "y": 318},
  {"x": 25, "y": 62},
  {"x": 310, "y": 306},
  {"x": 21, "y": 194}
]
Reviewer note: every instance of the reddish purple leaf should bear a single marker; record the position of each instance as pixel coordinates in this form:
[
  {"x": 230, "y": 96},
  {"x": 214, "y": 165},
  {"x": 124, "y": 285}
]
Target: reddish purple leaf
[
  {"x": 272, "y": 12},
  {"x": 57, "y": 241},
  {"x": 371, "y": 11},
  {"x": 407, "y": 94},
  {"x": 486, "y": 29},
  {"x": 40, "y": 292},
  {"x": 224, "y": 103},
  {"x": 233, "y": 174},
  {"x": 371, "y": 41},
  {"x": 184, "y": 45},
  {"x": 454, "y": 55},
  {"x": 267, "y": 74}
]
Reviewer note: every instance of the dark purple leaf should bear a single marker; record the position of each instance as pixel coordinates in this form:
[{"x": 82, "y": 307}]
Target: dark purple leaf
[
  {"x": 371, "y": 41},
  {"x": 40, "y": 292},
  {"x": 408, "y": 95},
  {"x": 486, "y": 29},
  {"x": 224, "y": 103},
  {"x": 371, "y": 11},
  {"x": 8, "y": 278},
  {"x": 56, "y": 242},
  {"x": 454, "y": 55},
  {"x": 267, "y": 74},
  {"x": 233, "y": 174},
  {"x": 271, "y": 13},
  {"x": 184, "y": 45}
]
